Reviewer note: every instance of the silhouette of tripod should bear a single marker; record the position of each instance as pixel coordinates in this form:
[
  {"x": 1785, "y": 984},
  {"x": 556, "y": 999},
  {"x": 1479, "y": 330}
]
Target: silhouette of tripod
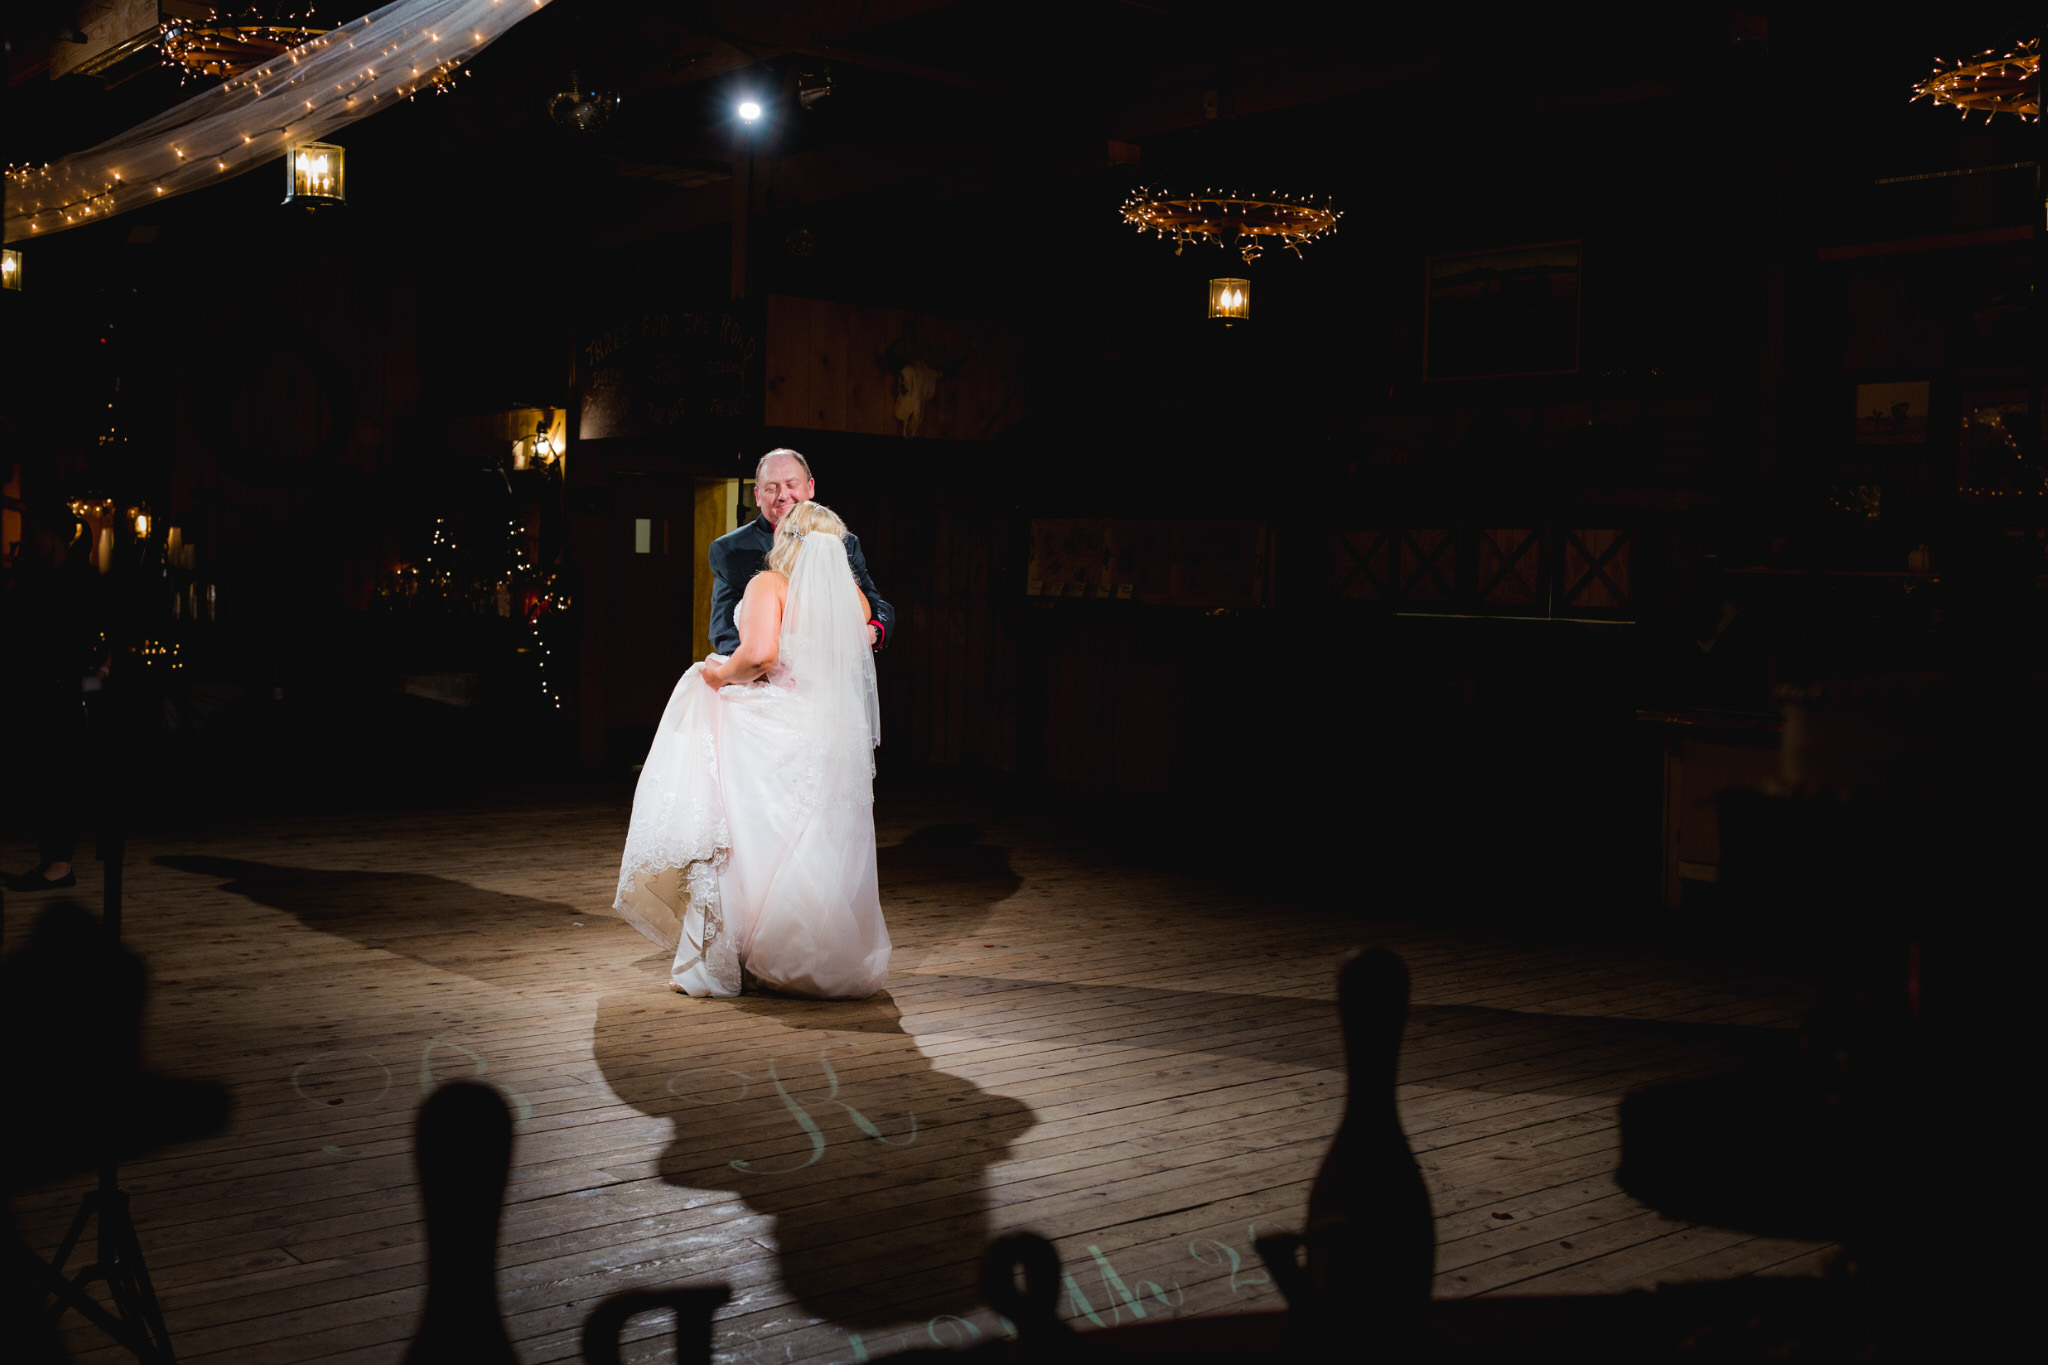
[{"x": 137, "y": 1321}]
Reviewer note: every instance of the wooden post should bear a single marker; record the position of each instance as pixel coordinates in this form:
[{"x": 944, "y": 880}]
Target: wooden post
[{"x": 742, "y": 192}]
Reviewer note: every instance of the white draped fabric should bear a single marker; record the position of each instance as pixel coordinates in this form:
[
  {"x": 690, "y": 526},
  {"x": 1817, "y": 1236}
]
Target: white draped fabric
[
  {"x": 369, "y": 63},
  {"x": 751, "y": 849}
]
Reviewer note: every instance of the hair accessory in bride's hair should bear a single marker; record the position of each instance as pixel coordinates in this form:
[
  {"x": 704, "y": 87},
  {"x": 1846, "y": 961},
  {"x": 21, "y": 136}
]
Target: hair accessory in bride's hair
[{"x": 795, "y": 534}]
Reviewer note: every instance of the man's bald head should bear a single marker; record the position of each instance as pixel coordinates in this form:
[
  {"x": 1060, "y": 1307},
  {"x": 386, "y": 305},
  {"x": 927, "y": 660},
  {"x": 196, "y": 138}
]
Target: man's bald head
[{"x": 782, "y": 479}]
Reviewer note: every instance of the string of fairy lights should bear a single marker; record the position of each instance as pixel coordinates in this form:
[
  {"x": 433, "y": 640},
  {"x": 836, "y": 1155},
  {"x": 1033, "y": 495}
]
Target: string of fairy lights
[
  {"x": 229, "y": 44},
  {"x": 544, "y": 606},
  {"x": 1990, "y": 83},
  {"x": 515, "y": 587},
  {"x": 1231, "y": 219},
  {"x": 259, "y": 111}
]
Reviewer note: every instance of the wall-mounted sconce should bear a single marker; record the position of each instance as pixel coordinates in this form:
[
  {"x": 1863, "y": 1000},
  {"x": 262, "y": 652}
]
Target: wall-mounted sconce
[
  {"x": 313, "y": 175},
  {"x": 1230, "y": 300},
  {"x": 10, "y": 268},
  {"x": 538, "y": 451},
  {"x": 139, "y": 519}
]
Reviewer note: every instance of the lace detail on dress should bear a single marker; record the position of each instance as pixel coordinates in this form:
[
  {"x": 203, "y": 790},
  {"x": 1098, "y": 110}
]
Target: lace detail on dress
[
  {"x": 677, "y": 842},
  {"x": 835, "y": 768},
  {"x": 674, "y": 868},
  {"x": 657, "y": 842},
  {"x": 705, "y": 938}
]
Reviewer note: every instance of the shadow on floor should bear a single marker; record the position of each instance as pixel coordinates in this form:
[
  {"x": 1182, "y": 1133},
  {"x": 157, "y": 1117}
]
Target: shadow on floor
[
  {"x": 489, "y": 936},
  {"x": 860, "y": 1161}
]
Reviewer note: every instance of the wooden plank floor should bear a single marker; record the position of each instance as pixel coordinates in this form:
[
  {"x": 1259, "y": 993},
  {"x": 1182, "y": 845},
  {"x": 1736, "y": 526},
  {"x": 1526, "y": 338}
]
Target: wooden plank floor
[{"x": 1137, "y": 1063}]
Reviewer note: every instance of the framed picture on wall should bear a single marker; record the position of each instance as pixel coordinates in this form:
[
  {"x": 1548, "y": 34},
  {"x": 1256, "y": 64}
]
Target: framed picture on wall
[
  {"x": 1892, "y": 414},
  {"x": 1514, "y": 310}
]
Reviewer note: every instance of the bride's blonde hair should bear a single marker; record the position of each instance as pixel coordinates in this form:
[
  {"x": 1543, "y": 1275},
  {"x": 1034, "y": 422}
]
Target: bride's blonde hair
[{"x": 804, "y": 519}]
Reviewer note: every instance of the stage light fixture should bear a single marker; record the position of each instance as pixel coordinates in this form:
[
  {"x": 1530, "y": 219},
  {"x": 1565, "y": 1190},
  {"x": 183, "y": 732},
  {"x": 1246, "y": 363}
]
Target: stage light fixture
[{"x": 750, "y": 111}]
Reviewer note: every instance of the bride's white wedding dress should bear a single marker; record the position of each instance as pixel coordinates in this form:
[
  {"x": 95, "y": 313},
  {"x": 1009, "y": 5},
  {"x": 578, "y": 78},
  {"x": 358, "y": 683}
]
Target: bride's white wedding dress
[{"x": 751, "y": 851}]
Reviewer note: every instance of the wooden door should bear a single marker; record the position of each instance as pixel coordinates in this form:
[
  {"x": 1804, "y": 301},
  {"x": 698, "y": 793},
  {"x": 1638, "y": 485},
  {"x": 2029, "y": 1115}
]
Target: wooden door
[{"x": 650, "y": 559}]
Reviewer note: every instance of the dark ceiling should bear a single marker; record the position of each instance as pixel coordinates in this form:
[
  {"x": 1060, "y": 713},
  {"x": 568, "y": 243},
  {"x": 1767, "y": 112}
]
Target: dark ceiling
[
  {"x": 971, "y": 155},
  {"x": 941, "y": 100}
]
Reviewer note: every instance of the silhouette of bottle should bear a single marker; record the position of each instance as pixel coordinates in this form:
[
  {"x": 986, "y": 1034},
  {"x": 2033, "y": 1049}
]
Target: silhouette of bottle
[
  {"x": 464, "y": 1149},
  {"x": 1370, "y": 1240}
]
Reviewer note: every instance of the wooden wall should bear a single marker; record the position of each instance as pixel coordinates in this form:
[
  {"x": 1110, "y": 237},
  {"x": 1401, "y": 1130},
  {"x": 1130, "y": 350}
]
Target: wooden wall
[
  {"x": 1094, "y": 692},
  {"x": 1187, "y": 562},
  {"x": 1553, "y": 568},
  {"x": 636, "y": 617},
  {"x": 950, "y": 690},
  {"x": 829, "y": 370}
]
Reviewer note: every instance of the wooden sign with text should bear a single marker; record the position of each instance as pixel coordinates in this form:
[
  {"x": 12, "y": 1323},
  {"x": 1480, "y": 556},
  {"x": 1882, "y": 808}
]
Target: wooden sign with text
[{"x": 678, "y": 371}]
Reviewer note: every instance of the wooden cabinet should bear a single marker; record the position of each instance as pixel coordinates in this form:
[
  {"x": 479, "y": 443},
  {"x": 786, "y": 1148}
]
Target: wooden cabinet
[{"x": 1706, "y": 753}]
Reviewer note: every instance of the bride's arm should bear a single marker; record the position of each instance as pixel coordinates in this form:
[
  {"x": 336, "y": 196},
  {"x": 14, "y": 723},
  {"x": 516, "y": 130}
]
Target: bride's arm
[{"x": 760, "y": 625}]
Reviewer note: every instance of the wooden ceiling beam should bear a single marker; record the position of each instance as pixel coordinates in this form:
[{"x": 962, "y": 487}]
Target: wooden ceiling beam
[
  {"x": 712, "y": 47},
  {"x": 1279, "y": 86},
  {"x": 874, "y": 61}
]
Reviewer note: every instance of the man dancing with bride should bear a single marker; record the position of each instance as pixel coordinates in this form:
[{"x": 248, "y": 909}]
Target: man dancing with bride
[{"x": 751, "y": 849}]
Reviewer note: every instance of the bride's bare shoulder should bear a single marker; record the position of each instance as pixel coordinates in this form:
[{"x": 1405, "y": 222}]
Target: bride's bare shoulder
[{"x": 768, "y": 583}]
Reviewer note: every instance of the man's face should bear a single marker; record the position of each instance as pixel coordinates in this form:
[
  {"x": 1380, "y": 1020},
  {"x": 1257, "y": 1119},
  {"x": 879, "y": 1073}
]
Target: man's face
[{"x": 780, "y": 486}]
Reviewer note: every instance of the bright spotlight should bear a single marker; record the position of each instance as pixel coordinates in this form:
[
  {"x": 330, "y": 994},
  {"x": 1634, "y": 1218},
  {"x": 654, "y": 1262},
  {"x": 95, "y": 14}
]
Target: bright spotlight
[{"x": 750, "y": 110}]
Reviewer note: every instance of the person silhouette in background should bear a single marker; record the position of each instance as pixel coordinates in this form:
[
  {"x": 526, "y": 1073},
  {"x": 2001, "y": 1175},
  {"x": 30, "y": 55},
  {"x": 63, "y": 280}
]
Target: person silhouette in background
[{"x": 57, "y": 657}]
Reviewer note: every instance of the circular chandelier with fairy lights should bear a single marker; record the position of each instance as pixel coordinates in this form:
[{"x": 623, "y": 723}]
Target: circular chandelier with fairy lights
[
  {"x": 1240, "y": 222},
  {"x": 235, "y": 39},
  {"x": 1990, "y": 84}
]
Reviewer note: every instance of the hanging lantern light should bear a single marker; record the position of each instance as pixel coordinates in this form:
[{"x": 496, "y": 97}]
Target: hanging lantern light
[
  {"x": 538, "y": 451},
  {"x": 10, "y": 268},
  {"x": 1231, "y": 300},
  {"x": 313, "y": 175},
  {"x": 139, "y": 519}
]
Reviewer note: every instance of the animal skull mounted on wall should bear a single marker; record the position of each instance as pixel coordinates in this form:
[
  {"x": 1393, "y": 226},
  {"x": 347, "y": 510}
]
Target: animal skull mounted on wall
[
  {"x": 918, "y": 382},
  {"x": 918, "y": 368}
]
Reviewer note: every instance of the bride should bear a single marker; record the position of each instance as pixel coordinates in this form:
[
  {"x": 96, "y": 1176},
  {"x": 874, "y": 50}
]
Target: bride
[{"x": 751, "y": 851}]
